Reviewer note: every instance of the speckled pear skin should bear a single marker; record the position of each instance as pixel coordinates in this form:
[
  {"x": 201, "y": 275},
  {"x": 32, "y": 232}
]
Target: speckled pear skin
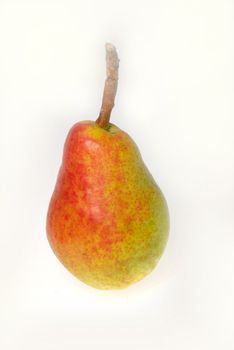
[{"x": 107, "y": 220}]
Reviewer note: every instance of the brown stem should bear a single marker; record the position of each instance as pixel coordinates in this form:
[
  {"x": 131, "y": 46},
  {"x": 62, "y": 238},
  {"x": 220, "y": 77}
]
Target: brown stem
[{"x": 110, "y": 88}]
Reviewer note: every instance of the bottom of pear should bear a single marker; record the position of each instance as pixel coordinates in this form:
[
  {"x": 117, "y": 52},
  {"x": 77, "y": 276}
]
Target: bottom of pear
[
  {"x": 114, "y": 286},
  {"x": 114, "y": 281}
]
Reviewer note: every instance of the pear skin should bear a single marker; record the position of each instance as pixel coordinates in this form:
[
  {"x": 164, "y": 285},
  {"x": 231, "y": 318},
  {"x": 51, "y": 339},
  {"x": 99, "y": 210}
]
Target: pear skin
[{"x": 107, "y": 220}]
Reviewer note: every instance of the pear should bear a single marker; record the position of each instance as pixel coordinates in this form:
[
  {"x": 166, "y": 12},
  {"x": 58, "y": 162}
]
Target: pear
[{"x": 108, "y": 220}]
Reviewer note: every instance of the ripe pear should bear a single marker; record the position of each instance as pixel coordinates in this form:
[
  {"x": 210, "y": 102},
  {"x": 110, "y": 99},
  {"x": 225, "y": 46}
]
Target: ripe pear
[{"x": 107, "y": 220}]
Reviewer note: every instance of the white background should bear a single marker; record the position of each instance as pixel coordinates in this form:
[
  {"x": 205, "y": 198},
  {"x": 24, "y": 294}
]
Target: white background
[{"x": 175, "y": 99}]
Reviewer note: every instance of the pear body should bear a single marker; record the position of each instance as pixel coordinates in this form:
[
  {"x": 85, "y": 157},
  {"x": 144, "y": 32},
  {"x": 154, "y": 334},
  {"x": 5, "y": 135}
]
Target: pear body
[{"x": 107, "y": 220}]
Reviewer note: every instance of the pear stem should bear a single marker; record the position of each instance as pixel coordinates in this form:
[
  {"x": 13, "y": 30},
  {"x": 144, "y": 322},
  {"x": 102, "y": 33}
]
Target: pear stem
[{"x": 110, "y": 88}]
